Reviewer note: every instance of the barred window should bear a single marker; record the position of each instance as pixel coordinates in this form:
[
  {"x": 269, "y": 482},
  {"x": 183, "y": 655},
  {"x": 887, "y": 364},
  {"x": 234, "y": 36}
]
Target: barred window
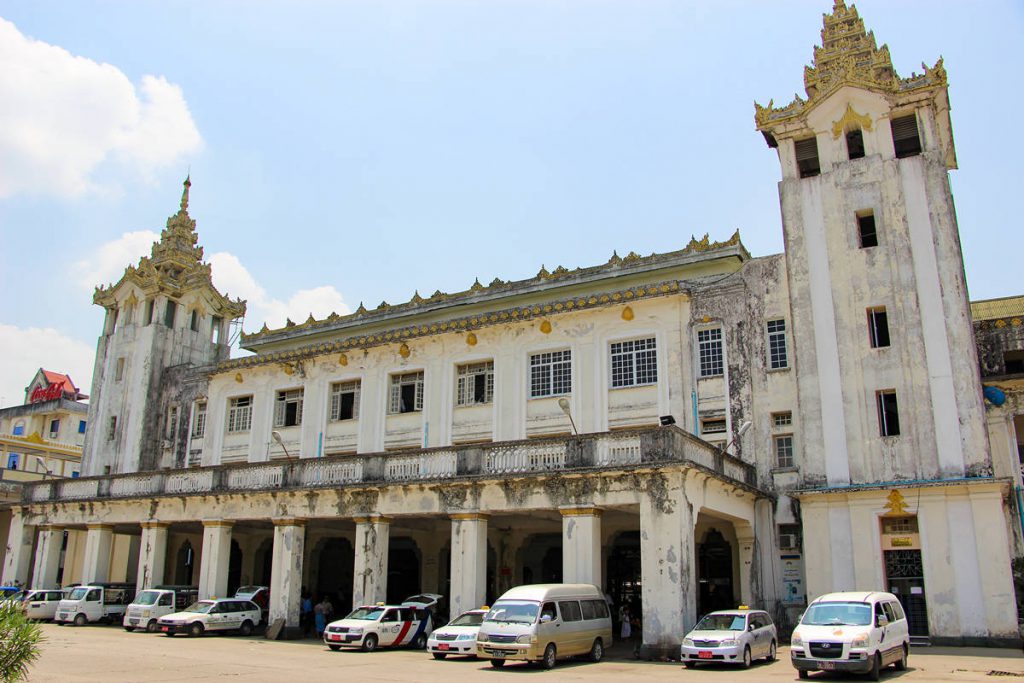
[
  {"x": 345, "y": 400},
  {"x": 714, "y": 426},
  {"x": 778, "y": 355},
  {"x": 784, "y": 451},
  {"x": 406, "y": 393},
  {"x": 288, "y": 408},
  {"x": 199, "y": 420},
  {"x": 475, "y": 384},
  {"x": 634, "y": 363},
  {"x": 709, "y": 344},
  {"x": 240, "y": 414},
  {"x": 780, "y": 420},
  {"x": 551, "y": 373}
]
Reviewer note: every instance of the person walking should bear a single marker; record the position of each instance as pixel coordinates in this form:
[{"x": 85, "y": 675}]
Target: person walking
[
  {"x": 319, "y": 618},
  {"x": 306, "y": 613}
]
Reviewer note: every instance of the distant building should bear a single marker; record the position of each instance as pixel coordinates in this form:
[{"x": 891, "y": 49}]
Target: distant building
[{"x": 687, "y": 430}]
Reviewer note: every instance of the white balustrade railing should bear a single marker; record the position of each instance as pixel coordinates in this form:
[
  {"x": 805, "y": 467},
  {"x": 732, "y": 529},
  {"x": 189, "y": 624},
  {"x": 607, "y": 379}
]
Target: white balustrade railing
[
  {"x": 435, "y": 465},
  {"x": 525, "y": 458},
  {"x": 79, "y": 488},
  {"x": 319, "y": 473},
  {"x": 144, "y": 484},
  {"x": 267, "y": 477},
  {"x": 617, "y": 451},
  {"x": 42, "y": 492},
  {"x": 189, "y": 482}
]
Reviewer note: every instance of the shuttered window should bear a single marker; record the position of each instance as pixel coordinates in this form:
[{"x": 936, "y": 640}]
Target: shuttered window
[
  {"x": 239, "y": 414},
  {"x": 475, "y": 384},
  {"x": 905, "y": 137},
  {"x": 406, "y": 393},
  {"x": 288, "y": 408},
  {"x": 345, "y": 400},
  {"x": 807, "y": 157}
]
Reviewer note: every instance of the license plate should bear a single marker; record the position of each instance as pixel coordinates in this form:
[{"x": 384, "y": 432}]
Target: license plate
[
  {"x": 443, "y": 646},
  {"x": 827, "y": 666},
  {"x": 704, "y": 654},
  {"x": 165, "y": 629},
  {"x": 333, "y": 636}
]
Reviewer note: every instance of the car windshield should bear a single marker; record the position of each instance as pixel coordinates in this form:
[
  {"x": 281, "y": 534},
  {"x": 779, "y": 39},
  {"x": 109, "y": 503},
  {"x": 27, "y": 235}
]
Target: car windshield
[
  {"x": 78, "y": 593},
  {"x": 366, "y": 613},
  {"x": 722, "y": 622},
  {"x": 147, "y": 598},
  {"x": 21, "y": 596},
  {"x": 468, "y": 619},
  {"x": 202, "y": 607},
  {"x": 514, "y": 611},
  {"x": 837, "y": 614},
  {"x": 245, "y": 591}
]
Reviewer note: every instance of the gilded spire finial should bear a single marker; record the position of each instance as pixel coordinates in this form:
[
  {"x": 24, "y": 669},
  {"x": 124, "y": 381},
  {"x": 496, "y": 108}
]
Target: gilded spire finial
[{"x": 184, "y": 194}]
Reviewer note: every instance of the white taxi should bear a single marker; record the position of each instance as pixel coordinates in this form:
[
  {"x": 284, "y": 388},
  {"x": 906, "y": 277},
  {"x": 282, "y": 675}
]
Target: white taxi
[
  {"x": 372, "y": 626},
  {"x": 39, "y": 604},
  {"x": 225, "y": 614},
  {"x": 459, "y": 636}
]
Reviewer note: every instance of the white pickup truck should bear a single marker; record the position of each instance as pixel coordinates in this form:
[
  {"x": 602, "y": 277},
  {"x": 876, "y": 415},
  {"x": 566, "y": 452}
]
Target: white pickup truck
[
  {"x": 97, "y": 602},
  {"x": 151, "y": 604}
]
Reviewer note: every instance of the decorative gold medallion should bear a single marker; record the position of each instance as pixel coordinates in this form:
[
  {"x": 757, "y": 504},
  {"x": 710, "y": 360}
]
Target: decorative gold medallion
[
  {"x": 545, "y": 327},
  {"x": 627, "y": 313},
  {"x": 471, "y": 339},
  {"x": 404, "y": 351}
]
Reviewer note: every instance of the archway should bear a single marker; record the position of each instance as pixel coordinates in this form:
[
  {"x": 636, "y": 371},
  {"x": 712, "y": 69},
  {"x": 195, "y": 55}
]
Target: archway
[
  {"x": 714, "y": 573},
  {"x": 403, "y": 569},
  {"x": 184, "y": 565},
  {"x": 623, "y": 571},
  {"x": 335, "y": 561},
  {"x": 234, "y": 567},
  {"x": 264, "y": 563},
  {"x": 541, "y": 558}
]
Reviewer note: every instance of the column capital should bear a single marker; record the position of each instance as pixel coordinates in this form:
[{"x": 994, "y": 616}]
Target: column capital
[
  {"x": 213, "y": 523},
  {"x": 371, "y": 519},
  {"x": 469, "y": 516},
  {"x": 289, "y": 521},
  {"x": 576, "y": 511},
  {"x": 155, "y": 525},
  {"x": 99, "y": 527}
]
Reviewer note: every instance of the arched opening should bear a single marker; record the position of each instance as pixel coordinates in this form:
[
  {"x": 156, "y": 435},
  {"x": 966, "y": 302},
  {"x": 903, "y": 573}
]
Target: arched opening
[
  {"x": 403, "y": 569},
  {"x": 623, "y": 572},
  {"x": 234, "y": 567},
  {"x": 541, "y": 558},
  {"x": 714, "y": 573},
  {"x": 335, "y": 561},
  {"x": 184, "y": 566},
  {"x": 264, "y": 563}
]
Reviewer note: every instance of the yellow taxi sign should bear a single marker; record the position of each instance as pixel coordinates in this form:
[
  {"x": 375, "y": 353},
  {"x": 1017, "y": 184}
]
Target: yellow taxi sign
[
  {"x": 380, "y": 604},
  {"x": 743, "y": 607},
  {"x": 486, "y": 607}
]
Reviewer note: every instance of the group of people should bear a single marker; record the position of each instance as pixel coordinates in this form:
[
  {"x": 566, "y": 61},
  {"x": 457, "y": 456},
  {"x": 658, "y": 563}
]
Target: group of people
[
  {"x": 630, "y": 628},
  {"x": 315, "y": 617}
]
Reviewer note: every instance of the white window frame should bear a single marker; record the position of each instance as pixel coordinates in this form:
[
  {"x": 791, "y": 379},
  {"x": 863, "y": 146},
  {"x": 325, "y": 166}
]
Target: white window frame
[
  {"x": 782, "y": 448},
  {"x": 884, "y": 428},
  {"x": 282, "y": 399},
  {"x": 239, "y": 414},
  {"x": 172, "y": 422},
  {"x": 782, "y": 419},
  {"x": 778, "y": 344},
  {"x": 351, "y": 386},
  {"x": 713, "y": 420},
  {"x": 466, "y": 379},
  {"x": 550, "y": 373},
  {"x": 199, "y": 420},
  {"x": 399, "y": 380},
  {"x": 633, "y": 362},
  {"x": 709, "y": 363}
]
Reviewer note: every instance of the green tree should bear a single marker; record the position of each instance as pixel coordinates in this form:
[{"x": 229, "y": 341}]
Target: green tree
[{"x": 19, "y": 643}]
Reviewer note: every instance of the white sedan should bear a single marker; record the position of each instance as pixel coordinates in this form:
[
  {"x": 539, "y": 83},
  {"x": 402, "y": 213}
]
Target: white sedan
[
  {"x": 225, "y": 614},
  {"x": 40, "y": 604},
  {"x": 372, "y": 626},
  {"x": 458, "y": 637}
]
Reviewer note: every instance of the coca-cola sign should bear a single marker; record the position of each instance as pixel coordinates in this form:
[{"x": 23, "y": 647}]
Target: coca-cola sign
[{"x": 41, "y": 393}]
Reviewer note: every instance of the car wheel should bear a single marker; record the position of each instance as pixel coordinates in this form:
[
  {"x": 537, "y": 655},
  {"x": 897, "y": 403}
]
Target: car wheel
[
  {"x": 689, "y": 665},
  {"x": 335, "y": 648},
  {"x": 420, "y": 642},
  {"x": 550, "y": 656},
  {"x": 597, "y": 651},
  {"x": 129, "y": 629},
  {"x": 370, "y": 643},
  {"x": 151, "y": 627},
  {"x": 802, "y": 674},
  {"x": 497, "y": 663},
  {"x": 746, "y": 657},
  {"x": 80, "y": 620},
  {"x": 876, "y": 667},
  {"x": 196, "y": 629},
  {"x": 246, "y": 629},
  {"x": 901, "y": 663},
  {"x": 772, "y": 652},
  {"x": 438, "y": 655}
]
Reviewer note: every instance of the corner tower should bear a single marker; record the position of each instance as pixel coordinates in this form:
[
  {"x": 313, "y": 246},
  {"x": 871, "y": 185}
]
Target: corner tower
[
  {"x": 165, "y": 312},
  {"x": 886, "y": 363}
]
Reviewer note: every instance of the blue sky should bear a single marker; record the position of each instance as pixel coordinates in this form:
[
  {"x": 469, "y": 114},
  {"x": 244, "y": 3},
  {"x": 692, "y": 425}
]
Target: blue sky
[{"x": 359, "y": 151}]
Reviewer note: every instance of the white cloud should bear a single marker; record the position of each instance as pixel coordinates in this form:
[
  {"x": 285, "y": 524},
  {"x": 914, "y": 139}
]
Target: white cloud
[
  {"x": 64, "y": 115},
  {"x": 27, "y": 350},
  {"x": 106, "y": 265}
]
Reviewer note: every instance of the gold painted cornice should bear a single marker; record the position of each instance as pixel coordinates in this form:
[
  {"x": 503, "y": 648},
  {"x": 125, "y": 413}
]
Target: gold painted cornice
[
  {"x": 469, "y": 517},
  {"x": 155, "y": 525},
  {"x": 580, "y": 512},
  {"x": 290, "y": 521}
]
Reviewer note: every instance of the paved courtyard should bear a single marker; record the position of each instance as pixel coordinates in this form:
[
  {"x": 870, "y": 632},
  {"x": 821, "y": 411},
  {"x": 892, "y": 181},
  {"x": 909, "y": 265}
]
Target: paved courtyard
[{"x": 109, "y": 654}]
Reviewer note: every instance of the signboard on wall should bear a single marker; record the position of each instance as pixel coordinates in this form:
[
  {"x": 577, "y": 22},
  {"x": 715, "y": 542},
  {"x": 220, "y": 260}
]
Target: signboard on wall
[{"x": 792, "y": 579}]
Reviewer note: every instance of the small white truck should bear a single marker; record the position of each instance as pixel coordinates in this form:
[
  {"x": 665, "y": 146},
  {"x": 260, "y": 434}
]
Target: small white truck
[
  {"x": 153, "y": 603},
  {"x": 105, "y": 602}
]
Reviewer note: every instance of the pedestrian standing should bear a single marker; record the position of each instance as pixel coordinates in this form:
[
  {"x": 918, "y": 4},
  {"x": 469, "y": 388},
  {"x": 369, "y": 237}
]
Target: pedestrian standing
[
  {"x": 319, "y": 618},
  {"x": 306, "y": 613}
]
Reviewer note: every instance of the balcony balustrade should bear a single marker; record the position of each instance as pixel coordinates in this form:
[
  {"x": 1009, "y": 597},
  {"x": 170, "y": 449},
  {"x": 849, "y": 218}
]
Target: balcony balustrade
[{"x": 627, "y": 449}]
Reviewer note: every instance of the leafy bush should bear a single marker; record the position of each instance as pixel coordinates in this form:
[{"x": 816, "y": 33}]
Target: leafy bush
[{"x": 19, "y": 643}]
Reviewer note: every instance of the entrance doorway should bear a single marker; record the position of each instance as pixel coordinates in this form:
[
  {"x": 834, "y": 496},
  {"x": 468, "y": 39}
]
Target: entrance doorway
[
  {"x": 714, "y": 573},
  {"x": 904, "y": 570},
  {"x": 234, "y": 568},
  {"x": 403, "y": 569},
  {"x": 334, "y": 574}
]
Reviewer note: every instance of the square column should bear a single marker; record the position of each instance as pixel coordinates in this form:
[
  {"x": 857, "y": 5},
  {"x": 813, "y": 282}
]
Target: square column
[
  {"x": 745, "y": 541},
  {"x": 469, "y": 562},
  {"x": 370, "y": 574},
  {"x": 581, "y": 545},
  {"x": 152, "y": 555},
  {"x": 286, "y": 574},
  {"x": 667, "y": 568},
  {"x": 216, "y": 558},
  {"x": 98, "y": 541},
  {"x": 47, "y": 557},
  {"x": 18, "y": 560}
]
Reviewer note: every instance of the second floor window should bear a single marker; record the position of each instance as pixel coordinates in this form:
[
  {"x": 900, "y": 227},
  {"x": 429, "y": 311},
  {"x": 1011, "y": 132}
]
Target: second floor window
[
  {"x": 784, "y": 450},
  {"x": 112, "y": 428},
  {"x": 888, "y": 414},
  {"x": 709, "y": 346},
  {"x": 81, "y": 426},
  {"x": 475, "y": 384},
  {"x": 551, "y": 374},
  {"x": 778, "y": 353},
  {"x": 54, "y": 428},
  {"x": 172, "y": 422},
  {"x": 878, "y": 327},
  {"x": 288, "y": 408},
  {"x": 406, "y": 393},
  {"x": 634, "y": 363},
  {"x": 240, "y": 414},
  {"x": 345, "y": 400},
  {"x": 199, "y": 421}
]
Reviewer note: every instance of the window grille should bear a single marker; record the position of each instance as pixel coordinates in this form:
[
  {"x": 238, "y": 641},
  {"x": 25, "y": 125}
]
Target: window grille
[
  {"x": 906, "y": 139},
  {"x": 634, "y": 363},
  {"x": 240, "y": 414},
  {"x": 406, "y": 393},
  {"x": 551, "y": 374},
  {"x": 780, "y": 420},
  {"x": 709, "y": 343},
  {"x": 345, "y": 400},
  {"x": 784, "y": 451},
  {"x": 807, "y": 157},
  {"x": 778, "y": 355},
  {"x": 712, "y": 426},
  {"x": 199, "y": 421},
  {"x": 288, "y": 408},
  {"x": 475, "y": 384}
]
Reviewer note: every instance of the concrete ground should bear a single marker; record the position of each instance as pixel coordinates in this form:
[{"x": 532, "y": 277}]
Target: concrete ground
[{"x": 111, "y": 655}]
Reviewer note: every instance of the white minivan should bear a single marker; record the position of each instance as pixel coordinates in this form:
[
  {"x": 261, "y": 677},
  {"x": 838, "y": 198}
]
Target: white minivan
[
  {"x": 153, "y": 603},
  {"x": 860, "y": 632},
  {"x": 544, "y": 623},
  {"x": 97, "y": 602}
]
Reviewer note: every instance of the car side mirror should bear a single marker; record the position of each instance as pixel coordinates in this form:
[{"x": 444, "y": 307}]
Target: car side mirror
[
  {"x": 882, "y": 620},
  {"x": 545, "y": 618},
  {"x": 751, "y": 627}
]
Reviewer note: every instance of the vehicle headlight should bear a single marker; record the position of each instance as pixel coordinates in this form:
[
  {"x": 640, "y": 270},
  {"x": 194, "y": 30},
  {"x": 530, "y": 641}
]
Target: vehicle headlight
[
  {"x": 795, "y": 640},
  {"x": 145, "y": 613},
  {"x": 465, "y": 636},
  {"x": 688, "y": 642},
  {"x": 355, "y": 631},
  {"x": 859, "y": 641},
  {"x": 727, "y": 642},
  {"x": 524, "y": 639}
]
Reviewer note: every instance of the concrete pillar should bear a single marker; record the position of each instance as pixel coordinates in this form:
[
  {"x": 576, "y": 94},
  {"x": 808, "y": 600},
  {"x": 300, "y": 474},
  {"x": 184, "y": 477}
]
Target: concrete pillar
[
  {"x": 98, "y": 541},
  {"x": 745, "y": 541},
  {"x": 581, "y": 546},
  {"x": 286, "y": 574},
  {"x": 667, "y": 568},
  {"x": 469, "y": 562},
  {"x": 370, "y": 574},
  {"x": 18, "y": 559},
  {"x": 47, "y": 557},
  {"x": 216, "y": 558},
  {"x": 152, "y": 555}
]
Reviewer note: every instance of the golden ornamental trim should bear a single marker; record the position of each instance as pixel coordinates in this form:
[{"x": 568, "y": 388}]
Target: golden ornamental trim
[
  {"x": 469, "y": 517},
  {"x": 581, "y": 512},
  {"x": 850, "y": 118},
  {"x": 897, "y": 505}
]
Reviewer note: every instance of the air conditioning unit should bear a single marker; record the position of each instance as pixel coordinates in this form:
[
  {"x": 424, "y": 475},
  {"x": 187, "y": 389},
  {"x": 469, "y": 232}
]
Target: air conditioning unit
[{"x": 789, "y": 541}]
